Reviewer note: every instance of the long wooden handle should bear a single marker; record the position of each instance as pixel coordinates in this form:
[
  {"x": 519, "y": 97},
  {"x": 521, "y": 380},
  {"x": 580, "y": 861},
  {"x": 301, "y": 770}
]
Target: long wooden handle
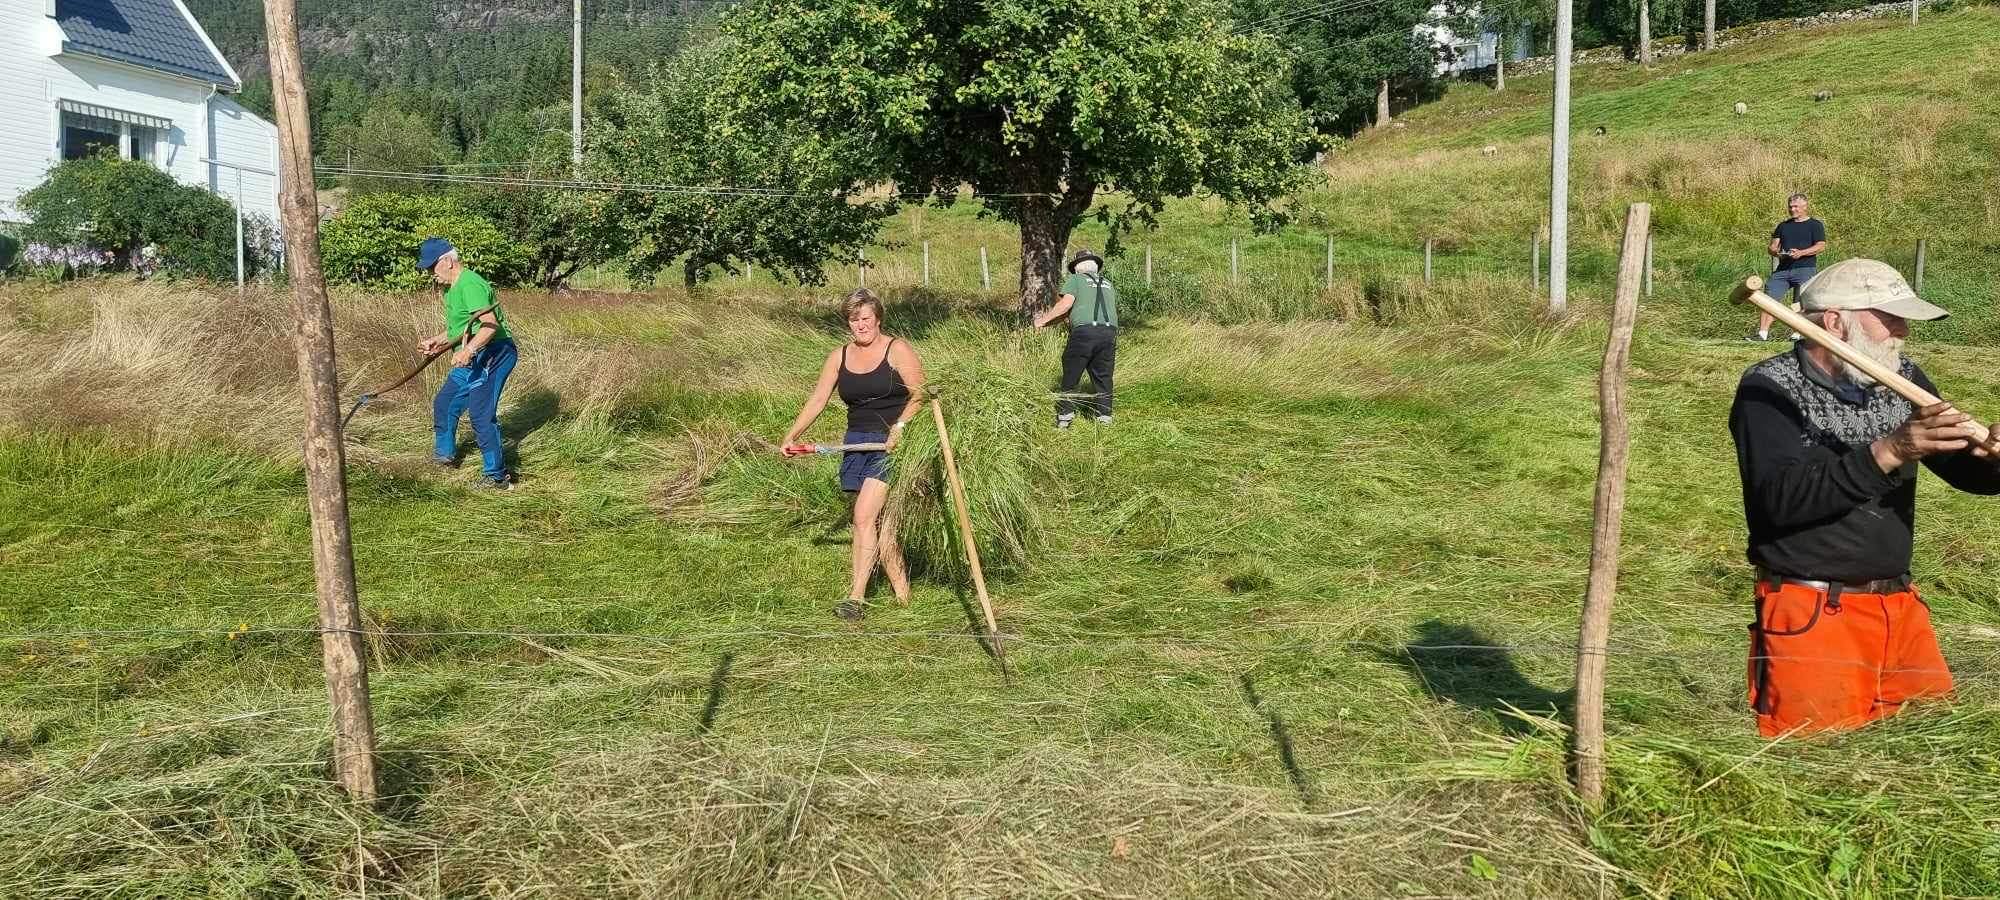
[
  {"x": 1752, "y": 291},
  {"x": 965, "y": 530}
]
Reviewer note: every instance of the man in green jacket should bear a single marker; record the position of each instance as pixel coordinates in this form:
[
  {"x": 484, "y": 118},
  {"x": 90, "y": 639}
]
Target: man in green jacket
[
  {"x": 1091, "y": 304},
  {"x": 484, "y": 357}
]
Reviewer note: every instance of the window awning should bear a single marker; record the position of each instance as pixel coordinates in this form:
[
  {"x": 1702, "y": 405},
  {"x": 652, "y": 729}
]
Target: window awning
[{"x": 115, "y": 115}]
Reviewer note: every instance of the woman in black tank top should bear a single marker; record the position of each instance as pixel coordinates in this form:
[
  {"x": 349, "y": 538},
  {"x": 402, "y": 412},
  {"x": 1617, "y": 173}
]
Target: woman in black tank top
[{"x": 880, "y": 380}]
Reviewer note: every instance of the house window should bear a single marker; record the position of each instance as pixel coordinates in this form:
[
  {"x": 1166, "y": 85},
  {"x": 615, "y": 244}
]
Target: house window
[
  {"x": 84, "y": 135},
  {"x": 145, "y": 143},
  {"x": 88, "y": 130}
]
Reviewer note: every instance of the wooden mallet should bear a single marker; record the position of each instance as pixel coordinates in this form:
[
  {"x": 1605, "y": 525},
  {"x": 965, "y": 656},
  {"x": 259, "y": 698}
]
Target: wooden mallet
[{"x": 1751, "y": 291}]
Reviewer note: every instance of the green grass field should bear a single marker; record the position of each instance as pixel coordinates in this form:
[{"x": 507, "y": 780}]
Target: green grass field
[{"x": 1300, "y": 624}]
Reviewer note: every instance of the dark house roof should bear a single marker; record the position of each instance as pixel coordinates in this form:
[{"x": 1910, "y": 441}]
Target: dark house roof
[{"x": 148, "y": 33}]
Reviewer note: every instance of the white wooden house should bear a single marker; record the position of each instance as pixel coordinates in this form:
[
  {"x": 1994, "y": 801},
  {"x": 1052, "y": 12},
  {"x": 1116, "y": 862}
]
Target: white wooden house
[{"x": 79, "y": 76}]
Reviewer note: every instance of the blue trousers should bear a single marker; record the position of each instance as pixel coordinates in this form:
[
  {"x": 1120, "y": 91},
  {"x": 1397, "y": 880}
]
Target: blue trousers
[{"x": 474, "y": 391}]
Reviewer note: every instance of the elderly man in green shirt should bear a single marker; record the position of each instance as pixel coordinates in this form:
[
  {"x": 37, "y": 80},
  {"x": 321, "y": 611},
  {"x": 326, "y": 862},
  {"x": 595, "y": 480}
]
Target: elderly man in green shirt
[
  {"x": 479, "y": 367},
  {"x": 1091, "y": 304}
]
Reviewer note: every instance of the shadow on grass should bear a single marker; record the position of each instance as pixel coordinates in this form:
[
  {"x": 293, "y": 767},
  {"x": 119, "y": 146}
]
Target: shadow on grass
[
  {"x": 530, "y": 413},
  {"x": 1461, "y": 664},
  {"x": 718, "y": 683},
  {"x": 1282, "y": 737}
]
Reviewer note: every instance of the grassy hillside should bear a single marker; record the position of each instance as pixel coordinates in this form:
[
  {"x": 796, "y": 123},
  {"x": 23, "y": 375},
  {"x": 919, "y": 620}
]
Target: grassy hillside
[
  {"x": 1906, "y": 149},
  {"x": 1271, "y": 629}
]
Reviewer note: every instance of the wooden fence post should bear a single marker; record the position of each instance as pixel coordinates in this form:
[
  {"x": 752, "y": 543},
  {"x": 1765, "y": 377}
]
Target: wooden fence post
[
  {"x": 1536, "y": 240},
  {"x": 1149, "y": 263},
  {"x": 927, "y": 264},
  {"x": 861, "y": 265},
  {"x": 343, "y": 661},
  {"x": 1922, "y": 245},
  {"x": 1232, "y": 262},
  {"x": 1607, "y": 512},
  {"x": 1329, "y": 262},
  {"x": 1649, "y": 264},
  {"x": 985, "y": 274},
  {"x": 1427, "y": 260}
]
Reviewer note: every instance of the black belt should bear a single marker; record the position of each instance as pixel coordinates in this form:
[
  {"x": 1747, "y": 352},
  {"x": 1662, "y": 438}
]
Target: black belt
[{"x": 1894, "y": 585}]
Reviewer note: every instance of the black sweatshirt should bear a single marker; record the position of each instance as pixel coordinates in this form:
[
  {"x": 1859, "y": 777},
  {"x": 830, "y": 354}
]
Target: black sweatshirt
[{"x": 1817, "y": 504}]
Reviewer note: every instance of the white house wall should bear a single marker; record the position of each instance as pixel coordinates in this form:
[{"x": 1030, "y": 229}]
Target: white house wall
[
  {"x": 244, "y": 139},
  {"x": 204, "y": 122},
  {"x": 26, "y": 131}
]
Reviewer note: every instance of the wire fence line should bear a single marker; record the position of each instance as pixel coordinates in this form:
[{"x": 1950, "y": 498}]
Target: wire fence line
[{"x": 1088, "y": 640}]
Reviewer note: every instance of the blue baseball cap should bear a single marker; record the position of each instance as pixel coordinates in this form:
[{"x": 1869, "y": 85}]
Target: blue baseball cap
[{"x": 432, "y": 250}]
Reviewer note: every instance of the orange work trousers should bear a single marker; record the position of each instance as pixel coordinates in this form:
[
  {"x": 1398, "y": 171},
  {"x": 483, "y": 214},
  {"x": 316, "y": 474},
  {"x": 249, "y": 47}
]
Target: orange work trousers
[{"x": 1820, "y": 661}]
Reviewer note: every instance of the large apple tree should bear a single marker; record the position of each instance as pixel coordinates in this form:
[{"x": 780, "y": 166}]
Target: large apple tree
[{"x": 1039, "y": 107}]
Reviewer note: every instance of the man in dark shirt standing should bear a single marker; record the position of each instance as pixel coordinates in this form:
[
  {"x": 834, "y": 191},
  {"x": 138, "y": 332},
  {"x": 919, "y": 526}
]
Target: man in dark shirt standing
[
  {"x": 1828, "y": 461},
  {"x": 1795, "y": 244}
]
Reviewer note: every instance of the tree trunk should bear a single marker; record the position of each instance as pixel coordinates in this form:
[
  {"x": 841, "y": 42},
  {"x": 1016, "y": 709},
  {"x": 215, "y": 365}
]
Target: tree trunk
[
  {"x": 1046, "y": 225},
  {"x": 1500, "y": 61},
  {"x": 1382, "y": 105},
  {"x": 1043, "y": 239},
  {"x": 1645, "y": 33}
]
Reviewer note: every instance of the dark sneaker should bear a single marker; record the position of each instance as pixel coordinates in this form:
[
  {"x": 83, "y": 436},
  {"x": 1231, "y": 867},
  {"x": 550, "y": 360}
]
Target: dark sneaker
[
  {"x": 444, "y": 462},
  {"x": 848, "y": 610},
  {"x": 503, "y": 482}
]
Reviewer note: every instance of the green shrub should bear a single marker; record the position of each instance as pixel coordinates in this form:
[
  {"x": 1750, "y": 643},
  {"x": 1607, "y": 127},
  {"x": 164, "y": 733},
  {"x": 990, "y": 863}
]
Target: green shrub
[
  {"x": 121, "y": 207},
  {"x": 10, "y": 250},
  {"x": 373, "y": 242}
]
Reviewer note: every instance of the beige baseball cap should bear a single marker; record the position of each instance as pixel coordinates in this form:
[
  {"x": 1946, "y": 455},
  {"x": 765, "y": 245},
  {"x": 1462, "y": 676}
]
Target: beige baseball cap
[{"x": 1866, "y": 284}]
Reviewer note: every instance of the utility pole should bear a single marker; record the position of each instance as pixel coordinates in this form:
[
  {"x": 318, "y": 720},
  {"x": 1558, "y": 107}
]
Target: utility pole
[
  {"x": 576, "y": 92},
  {"x": 1913, "y": 12},
  {"x": 342, "y": 659},
  {"x": 1645, "y": 33},
  {"x": 1559, "y": 169},
  {"x": 1708, "y": 24}
]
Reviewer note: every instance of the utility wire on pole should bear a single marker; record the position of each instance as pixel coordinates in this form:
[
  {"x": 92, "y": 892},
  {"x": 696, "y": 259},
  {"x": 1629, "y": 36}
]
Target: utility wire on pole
[{"x": 1559, "y": 169}]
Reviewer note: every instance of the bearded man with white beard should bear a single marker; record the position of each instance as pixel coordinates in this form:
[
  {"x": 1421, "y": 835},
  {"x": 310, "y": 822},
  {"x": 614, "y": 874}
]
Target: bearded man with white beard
[{"x": 1829, "y": 461}]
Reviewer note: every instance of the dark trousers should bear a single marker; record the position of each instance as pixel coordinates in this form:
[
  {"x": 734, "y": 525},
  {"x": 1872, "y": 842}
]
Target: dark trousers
[{"x": 1093, "y": 348}]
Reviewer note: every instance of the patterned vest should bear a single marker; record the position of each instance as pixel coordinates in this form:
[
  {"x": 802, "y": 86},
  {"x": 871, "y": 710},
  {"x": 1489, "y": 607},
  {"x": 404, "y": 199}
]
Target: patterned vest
[{"x": 1840, "y": 416}]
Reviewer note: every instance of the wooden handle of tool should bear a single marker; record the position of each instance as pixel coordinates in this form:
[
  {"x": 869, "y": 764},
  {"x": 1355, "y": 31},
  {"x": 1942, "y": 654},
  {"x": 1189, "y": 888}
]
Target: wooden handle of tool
[{"x": 1752, "y": 291}]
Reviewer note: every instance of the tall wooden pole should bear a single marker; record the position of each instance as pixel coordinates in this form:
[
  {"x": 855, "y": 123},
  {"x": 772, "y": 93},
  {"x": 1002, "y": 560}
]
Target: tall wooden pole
[
  {"x": 1645, "y": 33},
  {"x": 345, "y": 665},
  {"x": 576, "y": 91},
  {"x": 1559, "y": 168},
  {"x": 1918, "y": 284},
  {"x": 965, "y": 532},
  {"x": 1607, "y": 511}
]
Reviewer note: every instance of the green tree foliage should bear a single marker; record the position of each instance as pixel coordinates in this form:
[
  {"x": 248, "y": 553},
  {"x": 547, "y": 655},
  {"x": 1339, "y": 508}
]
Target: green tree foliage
[
  {"x": 726, "y": 190},
  {"x": 1038, "y": 105},
  {"x": 387, "y": 139},
  {"x": 373, "y": 242},
  {"x": 123, "y": 206},
  {"x": 1343, "y": 52},
  {"x": 562, "y": 230}
]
